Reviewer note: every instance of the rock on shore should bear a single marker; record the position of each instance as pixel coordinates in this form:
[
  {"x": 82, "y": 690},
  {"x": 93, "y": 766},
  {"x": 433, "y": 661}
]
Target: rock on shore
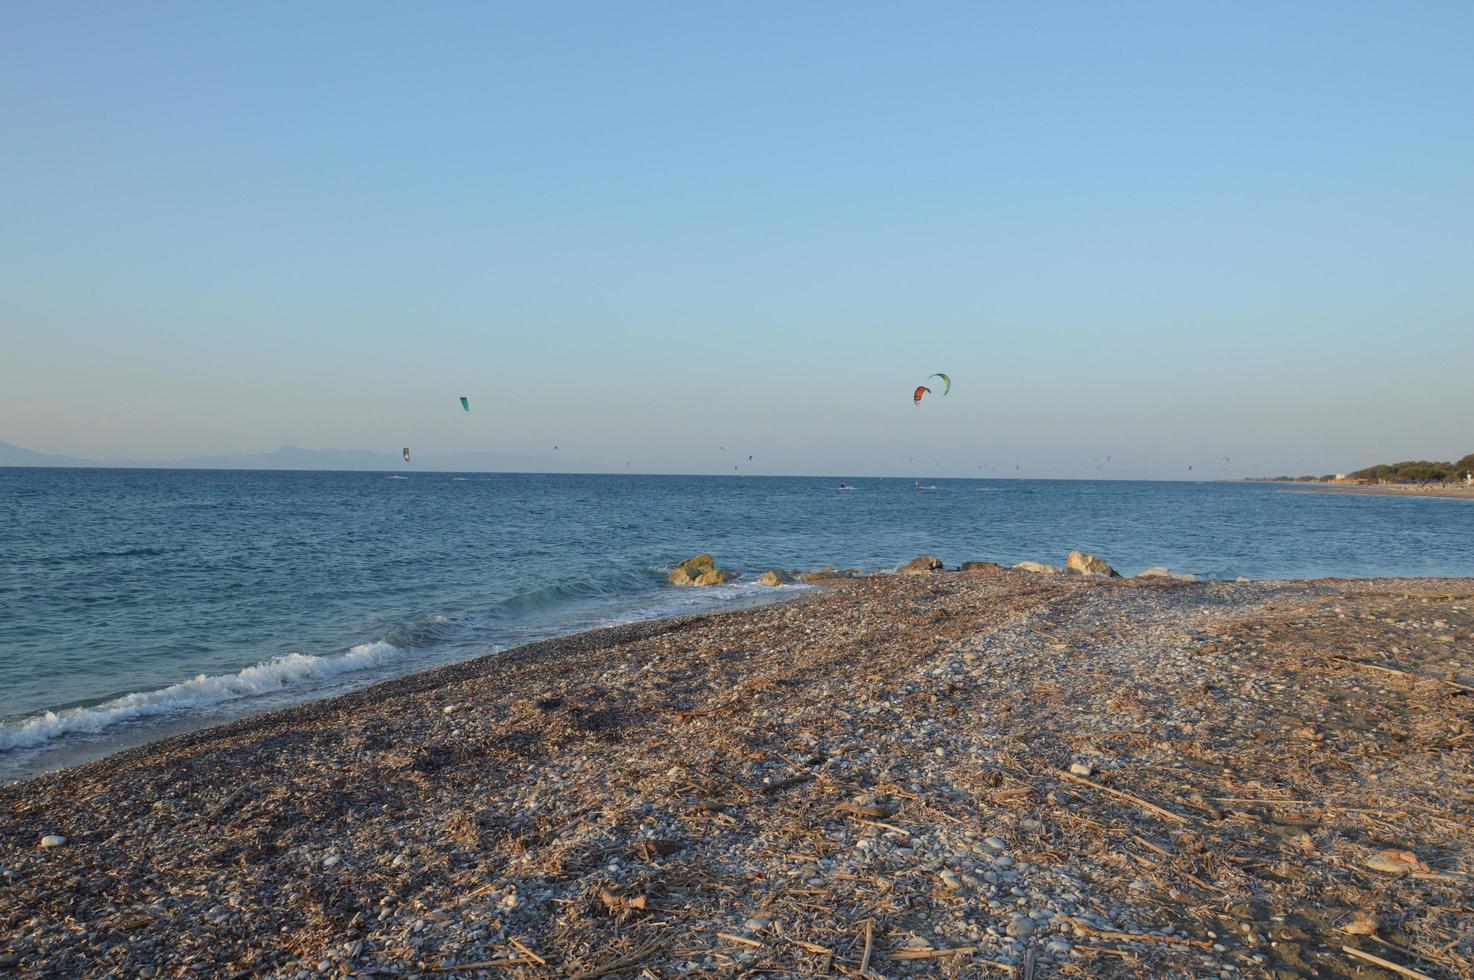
[
  {"x": 1087, "y": 564},
  {"x": 1038, "y": 568},
  {"x": 700, "y": 570},
  {"x": 921, "y": 565}
]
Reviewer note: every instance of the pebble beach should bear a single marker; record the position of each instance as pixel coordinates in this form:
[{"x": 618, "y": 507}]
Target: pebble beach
[{"x": 948, "y": 773}]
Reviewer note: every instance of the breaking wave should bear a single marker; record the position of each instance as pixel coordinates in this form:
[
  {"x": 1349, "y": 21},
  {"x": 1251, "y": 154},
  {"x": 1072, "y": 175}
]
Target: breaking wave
[{"x": 204, "y": 690}]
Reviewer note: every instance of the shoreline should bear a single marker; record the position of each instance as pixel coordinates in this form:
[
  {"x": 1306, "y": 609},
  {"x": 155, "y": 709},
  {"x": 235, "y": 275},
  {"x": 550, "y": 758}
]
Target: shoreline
[
  {"x": 1389, "y": 490},
  {"x": 987, "y": 767}
]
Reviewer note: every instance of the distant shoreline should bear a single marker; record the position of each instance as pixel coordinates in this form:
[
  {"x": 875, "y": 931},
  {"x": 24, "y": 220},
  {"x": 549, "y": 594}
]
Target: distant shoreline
[{"x": 1383, "y": 490}]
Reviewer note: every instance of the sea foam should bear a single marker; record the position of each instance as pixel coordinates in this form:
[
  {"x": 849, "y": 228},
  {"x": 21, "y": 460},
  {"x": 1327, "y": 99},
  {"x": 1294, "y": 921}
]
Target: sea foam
[{"x": 201, "y": 691}]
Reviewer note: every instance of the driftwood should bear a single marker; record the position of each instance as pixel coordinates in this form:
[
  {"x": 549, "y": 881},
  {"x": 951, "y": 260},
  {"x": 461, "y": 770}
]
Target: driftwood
[
  {"x": 1385, "y": 964},
  {"x": 1122, "y": 794}
]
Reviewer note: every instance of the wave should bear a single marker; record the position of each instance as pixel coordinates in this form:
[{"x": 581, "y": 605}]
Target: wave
[{"x": 202, "y": 691}]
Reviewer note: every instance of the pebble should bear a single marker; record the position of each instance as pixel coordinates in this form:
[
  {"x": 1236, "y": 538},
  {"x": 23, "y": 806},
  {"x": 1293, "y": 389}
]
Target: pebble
[
  {"x": 1021, "y": 927},
  {"x": 53, "y": 840},
  {"x": 995, "y": 843},
  {"x": 1082, "y": 769}
]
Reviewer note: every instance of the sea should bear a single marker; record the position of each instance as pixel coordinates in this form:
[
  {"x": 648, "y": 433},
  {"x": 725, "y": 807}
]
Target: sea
[{"x": 139, "y": 603}]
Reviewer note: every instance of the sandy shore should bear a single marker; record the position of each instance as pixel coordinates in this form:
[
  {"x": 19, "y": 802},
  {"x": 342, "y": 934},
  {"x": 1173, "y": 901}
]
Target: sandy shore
[
  {"x": 1391, "y": 490},
  {"x": 964, "y": 774}
]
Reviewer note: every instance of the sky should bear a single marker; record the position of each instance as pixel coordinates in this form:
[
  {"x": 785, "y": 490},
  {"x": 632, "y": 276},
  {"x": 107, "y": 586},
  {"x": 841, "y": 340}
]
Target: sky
[{"x": 1164, "y": 233}]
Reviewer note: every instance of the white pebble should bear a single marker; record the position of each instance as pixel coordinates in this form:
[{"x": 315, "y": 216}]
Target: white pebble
[{"x": 53, "y": 840}]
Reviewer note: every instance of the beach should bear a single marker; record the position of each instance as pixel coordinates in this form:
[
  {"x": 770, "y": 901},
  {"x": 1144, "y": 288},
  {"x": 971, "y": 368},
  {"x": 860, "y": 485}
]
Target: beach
[
  {"x": 1386, "y": 490},
  {"x": 972, "y": 773}
]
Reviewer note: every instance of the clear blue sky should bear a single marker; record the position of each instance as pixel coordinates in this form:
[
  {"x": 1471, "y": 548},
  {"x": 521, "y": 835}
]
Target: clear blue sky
[{"x": 1161, "y": 232}]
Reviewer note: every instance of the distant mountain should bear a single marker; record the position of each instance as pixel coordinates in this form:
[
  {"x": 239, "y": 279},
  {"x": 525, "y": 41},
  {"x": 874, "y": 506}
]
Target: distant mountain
[
  {"x": 295, "y": 458},
  {"x": 20, "y": 456},
  {"x": 288, "y": 458}
]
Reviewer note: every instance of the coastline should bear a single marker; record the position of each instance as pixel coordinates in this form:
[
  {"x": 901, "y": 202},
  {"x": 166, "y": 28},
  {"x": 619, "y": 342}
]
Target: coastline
[
  {"x": 1388, "y": 490},
  {"x": 902, "y": 773}
]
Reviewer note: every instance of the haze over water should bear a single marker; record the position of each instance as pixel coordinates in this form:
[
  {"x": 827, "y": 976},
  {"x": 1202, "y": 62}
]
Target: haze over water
[{"x": 135, "y": 602}]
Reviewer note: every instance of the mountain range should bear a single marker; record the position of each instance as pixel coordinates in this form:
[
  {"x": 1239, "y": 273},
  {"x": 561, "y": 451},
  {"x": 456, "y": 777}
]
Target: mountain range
[{"x": 290, "y": 458}]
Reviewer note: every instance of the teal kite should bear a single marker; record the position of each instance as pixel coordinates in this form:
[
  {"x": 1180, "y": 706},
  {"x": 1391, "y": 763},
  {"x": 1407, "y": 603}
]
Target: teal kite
[
  {"x": 465, "y": 403},
  {"x": 946, "y": 382}
]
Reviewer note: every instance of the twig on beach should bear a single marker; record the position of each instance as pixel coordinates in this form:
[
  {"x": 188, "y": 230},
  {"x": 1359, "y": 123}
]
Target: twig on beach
[
  {"x": 1124, "y": 954},
  {"x": 877, "y": 823},
  {"x": 219, "y": 809},
  {"x": 525, "y": 951},
  {"x": 740, "y": 939},
  {"x": 481, "y": 965},
  {"x": 625, "y": 961},
  {"x": 783, "y": 784},
  {"x": 869, "y": 941},
  {"x": 1402, "y": 673},
  {"x": 1122, "y": 794},
  {"x": 929, "y": 954},
  {"x": 1385, "y": 964},
  {"x": 1137, "y": 937}
]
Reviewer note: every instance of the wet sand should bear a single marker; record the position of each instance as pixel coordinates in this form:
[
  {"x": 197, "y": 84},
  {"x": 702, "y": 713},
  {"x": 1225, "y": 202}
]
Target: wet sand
[{"x": 960, "y": 774}]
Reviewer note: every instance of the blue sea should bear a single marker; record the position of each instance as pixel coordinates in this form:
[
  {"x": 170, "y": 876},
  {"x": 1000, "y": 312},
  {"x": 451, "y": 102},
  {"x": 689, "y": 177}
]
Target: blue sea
[{"x": 135, "y": 603}]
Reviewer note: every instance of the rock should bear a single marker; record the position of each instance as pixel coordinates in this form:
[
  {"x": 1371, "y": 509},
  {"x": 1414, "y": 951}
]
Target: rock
[
  {"x": 53, "y": 840},
  {"x": 681, "y": 576},
  {"x": 950, "y": 880},
  {"x": 1037, "y": 568},
  {"x": 715, "y": 576},
  {"x": 8, "y": 960},
  {"x": 921, "y": 565},
  {"x": 1085, "y": 564},
  {"x": 1395, "y": 862},
  {"x": 978, "y": 566},
  {"x": 775, "y": 577},
  {"x": 701, "y": 563},
  {"x": 826, "y": 574},
  {"x": 1159, "y": 571},
  {"x": 1082, "y": 769},
  {"x": 1021, "y": 927}
]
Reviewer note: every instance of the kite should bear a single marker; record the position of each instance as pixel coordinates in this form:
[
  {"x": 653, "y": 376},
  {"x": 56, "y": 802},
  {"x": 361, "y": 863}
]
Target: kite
[
  {"x": 406, "y": 454},
  {"x": 465, "y": 403},
  {"x": 916, "y": 395},
  {"x": 946, "y": 382}
]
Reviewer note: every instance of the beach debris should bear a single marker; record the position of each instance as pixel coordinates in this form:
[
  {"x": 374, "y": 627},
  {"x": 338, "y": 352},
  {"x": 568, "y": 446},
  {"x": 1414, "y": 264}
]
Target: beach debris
[
  {"x": 916, "y": 395},
  {"x": 1394, "y": 861},
  {"x": 1082, "y": 769},
  {"x": 1088, "y": 564},
  {"x": 921, "y": 565},
  {"x": 1360, "y": 923},
  {"x": 53, "y": 840},
  {"x": 1038, "y": 568}
]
